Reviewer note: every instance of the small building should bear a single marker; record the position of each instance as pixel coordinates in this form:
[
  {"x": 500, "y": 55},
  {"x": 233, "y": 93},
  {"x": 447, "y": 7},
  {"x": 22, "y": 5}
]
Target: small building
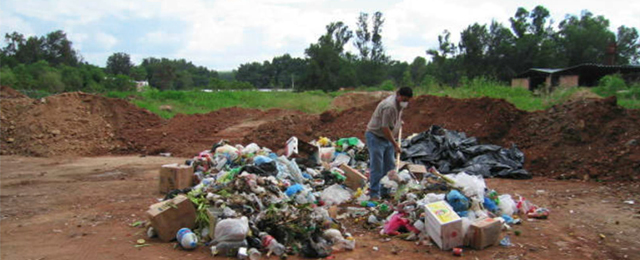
[
  {"x": 586, "y": 75},
  {"x": 141, "y": 84}
]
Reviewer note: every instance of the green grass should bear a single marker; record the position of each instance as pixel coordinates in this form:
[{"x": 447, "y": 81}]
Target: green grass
[{"x": 192, "y": 102}]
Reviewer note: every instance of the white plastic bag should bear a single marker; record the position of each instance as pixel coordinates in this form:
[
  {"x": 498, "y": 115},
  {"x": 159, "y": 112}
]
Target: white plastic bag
[
  {"x": 251, "y": 148},
  {"x": 429, "y": 198},
  {"x": 471, "y": 185},
  {"x": 232, "y": 229},
  {"x": 335, "y": 194},
  {"x": 507, "y": 204}
]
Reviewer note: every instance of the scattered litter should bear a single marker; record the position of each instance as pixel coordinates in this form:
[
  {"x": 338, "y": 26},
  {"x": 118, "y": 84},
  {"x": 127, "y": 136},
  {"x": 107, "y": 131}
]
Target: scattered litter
[
  {"x": 506, "y": 241},
  {"x": 247, "y": 202}
]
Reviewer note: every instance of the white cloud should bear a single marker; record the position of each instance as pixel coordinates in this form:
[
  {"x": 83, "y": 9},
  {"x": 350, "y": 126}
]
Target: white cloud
[
  {"x": 158, "y": 37},
  {"x": 15, "y": 24},
  {"x": 105, "y": 40},
  {"x": 223, "y": 34}
]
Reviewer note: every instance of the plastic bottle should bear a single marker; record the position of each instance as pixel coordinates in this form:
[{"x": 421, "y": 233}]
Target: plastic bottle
[
  {"x": 493, "y": 195},
  {"x": 254, "y": 254},
  {"x": 186, "y": 238},
  {"x": 272, "y": 244}
]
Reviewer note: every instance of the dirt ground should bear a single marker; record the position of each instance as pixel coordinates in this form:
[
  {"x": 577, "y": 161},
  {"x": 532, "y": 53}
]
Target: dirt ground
[
  {"x": 77, "y": 169},
  {"x": 82, "y": 208}
]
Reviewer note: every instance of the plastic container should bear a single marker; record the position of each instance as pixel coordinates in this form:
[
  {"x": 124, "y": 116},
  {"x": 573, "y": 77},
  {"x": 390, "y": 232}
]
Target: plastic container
[
  {"x": 254, "y": 254},
  {"x": 187, "y": 239},
  {"x": 272, "y": 245}
]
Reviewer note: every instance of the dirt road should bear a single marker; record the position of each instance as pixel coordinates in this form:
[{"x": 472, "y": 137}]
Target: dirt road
[{"x": 81, "y": 208}]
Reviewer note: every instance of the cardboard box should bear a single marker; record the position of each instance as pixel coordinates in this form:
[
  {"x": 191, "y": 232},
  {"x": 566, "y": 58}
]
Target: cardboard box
[
  {"x": 300, "y": 149},
  {"x": 484, "y": 233},
  {"x": 174, "y": 176},
  {"x": 169, "y": 216},
  {"x": 355, "y": 179},
  {"x": 443, "y": 225},
  {"x": 418, "y": 170}
]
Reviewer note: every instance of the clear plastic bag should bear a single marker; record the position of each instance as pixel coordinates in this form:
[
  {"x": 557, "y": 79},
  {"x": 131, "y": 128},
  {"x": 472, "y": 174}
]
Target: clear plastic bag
[
  {"x": 335, "y": 194},
  {"x": 507, "y": 205},
  {"x": 251, "y": 148},
  {"x": 232, "y": 229},
  {"x": 472, "y": 186}
]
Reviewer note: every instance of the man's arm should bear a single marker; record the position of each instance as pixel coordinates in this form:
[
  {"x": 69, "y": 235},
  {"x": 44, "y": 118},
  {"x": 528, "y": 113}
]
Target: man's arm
[{"x": 389, "y": 135}]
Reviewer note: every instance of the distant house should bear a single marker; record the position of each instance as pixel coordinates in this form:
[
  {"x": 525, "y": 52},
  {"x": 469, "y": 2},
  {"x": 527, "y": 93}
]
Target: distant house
[
  {"x": 141, "y": 84},
  {"x": 586, "y": 75}
]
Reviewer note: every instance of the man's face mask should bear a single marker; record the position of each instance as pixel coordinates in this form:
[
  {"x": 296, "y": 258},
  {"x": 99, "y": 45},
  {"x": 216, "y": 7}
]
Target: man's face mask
[{"x": 404, "y": 104}]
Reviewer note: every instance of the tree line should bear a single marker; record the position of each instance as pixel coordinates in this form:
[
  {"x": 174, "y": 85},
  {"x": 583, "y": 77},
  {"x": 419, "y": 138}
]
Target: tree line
[
  {"x": 49, "y": 64},
  {"x": 496, "y": 51}
]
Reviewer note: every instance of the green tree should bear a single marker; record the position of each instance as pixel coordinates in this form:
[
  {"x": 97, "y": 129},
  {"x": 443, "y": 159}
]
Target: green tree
[
  {"x": 371, "y": 65},
  {"x": 50, "y": 81},
  {"x": 57, "y": 49},
  {"x": 363, "y": 36},
  {"x": 24, "y": 78},
  {"x": 184, "y": 80},
  {"x": 72, "y": 78},
  {"x": 119, "y": 83},
  {"x": 584, "y": 39},
  {"x": 628, "y": 46},
  {"x": 473, "y": 46},
  {"x": 7, "y": 78},
  {"x": 418, "y": 69},
  {"x": 324, "y": 57},
  {"x": 119, "y": 63},
  {"x": 138, "y": 73},
  {"x": 445, "y": 65}
]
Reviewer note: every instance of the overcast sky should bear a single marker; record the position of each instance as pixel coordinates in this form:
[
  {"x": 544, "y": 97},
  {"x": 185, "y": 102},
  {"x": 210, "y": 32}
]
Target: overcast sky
[{"x": 221, "y": 35}]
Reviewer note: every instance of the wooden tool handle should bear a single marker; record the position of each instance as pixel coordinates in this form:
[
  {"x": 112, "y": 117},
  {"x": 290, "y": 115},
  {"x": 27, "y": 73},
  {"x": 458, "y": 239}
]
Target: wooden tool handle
[{"x": 398, "y": 155}]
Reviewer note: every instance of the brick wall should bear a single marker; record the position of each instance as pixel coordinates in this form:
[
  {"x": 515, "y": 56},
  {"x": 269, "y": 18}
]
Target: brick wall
[
  {"x": 568, "y": 81},
  {"x": 520, "y": 83}
]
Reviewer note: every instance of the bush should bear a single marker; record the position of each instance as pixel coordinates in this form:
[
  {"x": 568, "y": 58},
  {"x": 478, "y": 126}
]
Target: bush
[
  {"x": 609, "y": 85},
  {"x": 388, "y": 85},
  {"x": 7, "y": 78}
]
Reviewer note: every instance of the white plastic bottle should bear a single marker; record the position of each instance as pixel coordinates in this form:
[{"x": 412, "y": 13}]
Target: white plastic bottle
[
  {"x": 187, "y": 239},
  {"x": 272, "y": 244}
]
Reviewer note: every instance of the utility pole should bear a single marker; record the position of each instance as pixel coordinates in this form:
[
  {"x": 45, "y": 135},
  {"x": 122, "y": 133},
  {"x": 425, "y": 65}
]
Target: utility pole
[{"x": 293, "y": 83}]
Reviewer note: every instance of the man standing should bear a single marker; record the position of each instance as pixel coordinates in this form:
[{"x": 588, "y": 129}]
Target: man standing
[{"x": 383, "y": 126}]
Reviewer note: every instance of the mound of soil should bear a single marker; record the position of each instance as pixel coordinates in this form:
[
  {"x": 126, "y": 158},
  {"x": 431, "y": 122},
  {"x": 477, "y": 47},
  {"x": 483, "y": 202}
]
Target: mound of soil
[
  {"x": 590, "y": 138},
  {"x": 587, "y": 138},
  {"x": 7, "y": 92},
  {"x": 187, "y": 135},
  {"x": 70, "y": 124},
  {"x": 355, "y": 99}
]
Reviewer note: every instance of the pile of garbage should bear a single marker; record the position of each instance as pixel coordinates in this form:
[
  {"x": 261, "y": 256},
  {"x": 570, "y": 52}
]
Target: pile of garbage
[
  {"x": 452, "y": 152},
  {"x": 250, "y": 201}
]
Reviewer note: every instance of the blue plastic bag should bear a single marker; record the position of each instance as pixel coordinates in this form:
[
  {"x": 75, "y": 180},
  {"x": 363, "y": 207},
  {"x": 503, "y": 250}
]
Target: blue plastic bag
[
  {"x": 458, "y": 202},
  {"x": 294, "y": 189},
  {"x": 490, "y": 205},
  {"x": 260, "y": 159}
]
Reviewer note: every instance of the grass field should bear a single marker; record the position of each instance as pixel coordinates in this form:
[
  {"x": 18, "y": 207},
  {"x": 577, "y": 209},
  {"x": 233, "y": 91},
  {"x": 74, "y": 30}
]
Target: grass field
[{"x": 191, "y": 102}]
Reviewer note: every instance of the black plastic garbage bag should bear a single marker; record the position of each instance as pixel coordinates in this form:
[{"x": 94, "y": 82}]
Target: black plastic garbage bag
[
  {"x": 452, "y": 152},
  {"x": 316, "y": 248},
  {"x": 265, "y": 169}
]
